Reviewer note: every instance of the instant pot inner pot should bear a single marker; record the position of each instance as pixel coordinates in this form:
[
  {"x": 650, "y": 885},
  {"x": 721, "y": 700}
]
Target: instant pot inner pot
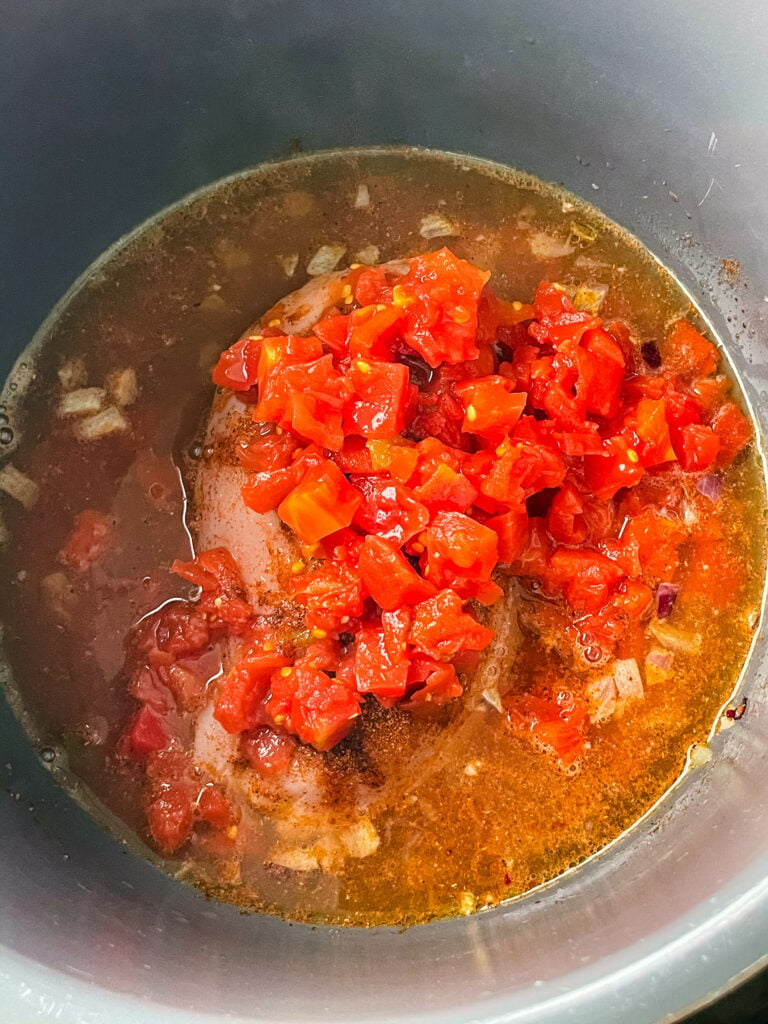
[{"x": 657, "y": 116}]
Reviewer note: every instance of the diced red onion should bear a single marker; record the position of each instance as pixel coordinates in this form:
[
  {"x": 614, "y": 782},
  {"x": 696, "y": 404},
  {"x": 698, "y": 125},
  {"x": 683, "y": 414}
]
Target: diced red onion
[
  {"x": 666, "y": 596},
  {"x": 710, "y": 486},
  {"x": 661, "y": 659}
]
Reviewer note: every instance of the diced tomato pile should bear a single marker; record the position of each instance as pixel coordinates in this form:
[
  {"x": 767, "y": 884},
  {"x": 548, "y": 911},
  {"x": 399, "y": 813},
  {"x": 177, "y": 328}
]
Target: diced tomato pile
[{"x": 421, "y": 446}]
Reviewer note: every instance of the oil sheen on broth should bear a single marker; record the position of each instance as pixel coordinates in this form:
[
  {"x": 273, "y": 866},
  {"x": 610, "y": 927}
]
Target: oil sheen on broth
[{"x": 465, "y": 812}]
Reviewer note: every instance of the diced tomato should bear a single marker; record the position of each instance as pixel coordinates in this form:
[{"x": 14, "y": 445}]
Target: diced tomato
[
  {"x": 277, "y": 355},
  {"x": 213, "y": 807},
  {"x": 321, "y": 503},
  {"x": 355, "y": 457},
  {"x": 445, "y": 490},
  {"x": 649, "y": 422},
  {"x": 380, "y": 395},
  {"x": 534, "y": 559},
  {"x": 649, "y": 545},
  {"x": 631, "y": 598},
  {"x": 711, "y": 392},
  {"x": 274, "y": 451},
  {"x": 440, "y": 295},
  {"x": 461, "y": 553},
  {"x": 238, "y": 706},
  {"x": 551, "y": 301},
  {"x": 171, "y": 818},
  {"x": 511, "y": 528},
  {"x": 317, "y": 709},
  {"x": 373, "y": 287},
  {"x": 491, "y": 407},
  {"x": 398, "y": 459},
  {"x": 264, "y": 491},
  {"x": 565, "y": 520},
  {"x": 559, "y": 725},
  {"x": 374, "y": 329},
  {"x": 389, "y": 576},
  {"x": 332, "y": 594},
  {"x": 438, "y": 415},
  {"x": 734, "y": 433},
  {"x": 88, "y": 541},
  {"x": 238, "y": 366},
  {"x": 333, "y": 331},
  {"x": 389, "y": 509},
  {"x": 688, "y": 353},
  {"x": 585, "y": 577},
  {"x": 396, "y": 625},
  {"x": 376, "y": 671},
  {"x": 441, "y": 628},
  {"x": 601, "y": 373},
  {"x": 268, "y": 752},
  {"x": 697, "y": 446},
  {"x": 618, "y": 467},
  {"x": 146, "y": 734},
  {"x": 431, "y": 682},
  {"x": 223, "y": 593}
]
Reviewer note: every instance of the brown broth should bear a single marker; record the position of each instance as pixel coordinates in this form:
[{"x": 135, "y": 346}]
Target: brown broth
[{"x": 166, "y": 303}]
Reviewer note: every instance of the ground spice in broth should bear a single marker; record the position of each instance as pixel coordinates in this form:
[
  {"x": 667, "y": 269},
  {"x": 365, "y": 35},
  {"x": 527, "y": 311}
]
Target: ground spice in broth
[{"x": 460, "y": 808}]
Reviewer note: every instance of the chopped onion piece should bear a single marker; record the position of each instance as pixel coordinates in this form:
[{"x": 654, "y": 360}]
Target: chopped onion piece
[
  {"x": 437, "y": 225},
  {"x": 710, "y": 486},
  {"x": 289, "y": 263},
  {"x": 110, "y": 421},
  {"x": 589, "y": 298},
  {"x": 361, "y": 839},
  {"x": 362, "y": 198},
  {"x": 660, "y": 658},
  {"x": 325, "y": 259},
  {"x": 73, "y": 374},
  {"x": 123, "y": 386},
  {"x": 545, "y": 247},
  {"x": 675, "y": 639},
  {"x": 82, "y": 402},
  {"x": 18, "y": 485},
  {"x": 629, "y": 682},
  {"x": 699, "y": 755},
  {"x": 666, "y": 595},
  {"x": 602, "y": 694},
  {"x": 368, "y": 255},
  {"x": 491, "y": 696}
]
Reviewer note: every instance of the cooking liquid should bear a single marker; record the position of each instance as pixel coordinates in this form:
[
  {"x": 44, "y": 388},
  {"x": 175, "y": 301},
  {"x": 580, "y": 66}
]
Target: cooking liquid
[{"x": 499, "y": 817}]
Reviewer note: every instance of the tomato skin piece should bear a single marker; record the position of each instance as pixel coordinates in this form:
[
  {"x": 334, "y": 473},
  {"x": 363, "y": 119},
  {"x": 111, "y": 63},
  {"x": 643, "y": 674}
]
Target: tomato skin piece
[
  {"x": 560, "y": 724},
  {"x": 238, "y": 366},
  {"x": 388, "y": 509},
  {"x": 512, "y": 530},
  {"x": 491, "y": 407},
  {"x": 440, "y": 295},
  {"x": 734, "y": 432},
  {"x": 321, "y": 503},
  {"x": 585, "y": 577},
  {"x": 381, "y": 392},
  {"x": 608, "y": 473},
  {"x": 565, "y": 519},
  {"x": 441, "y": 628},
  {"x": 697, "y": 446},
  {"x": 688, "y": 353},
  {"x": 388, "y": 575},
  {"x": 376, "y": 671},
  {"x": 431, "y": 683}
]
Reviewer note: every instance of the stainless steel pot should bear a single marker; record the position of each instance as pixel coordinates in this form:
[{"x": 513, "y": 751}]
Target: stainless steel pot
[{"x": 654, "y": 111}]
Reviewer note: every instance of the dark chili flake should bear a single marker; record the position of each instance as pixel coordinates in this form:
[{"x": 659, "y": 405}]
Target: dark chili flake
[
  {"x": 651, "y": 354},
  {"x": 737, "y": 713},
  {"x": 346, "y": 638}
]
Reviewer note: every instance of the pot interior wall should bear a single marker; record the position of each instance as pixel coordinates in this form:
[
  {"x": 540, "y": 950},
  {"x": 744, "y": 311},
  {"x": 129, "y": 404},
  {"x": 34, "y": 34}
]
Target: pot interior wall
[{"x": 655, "y": 114}]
